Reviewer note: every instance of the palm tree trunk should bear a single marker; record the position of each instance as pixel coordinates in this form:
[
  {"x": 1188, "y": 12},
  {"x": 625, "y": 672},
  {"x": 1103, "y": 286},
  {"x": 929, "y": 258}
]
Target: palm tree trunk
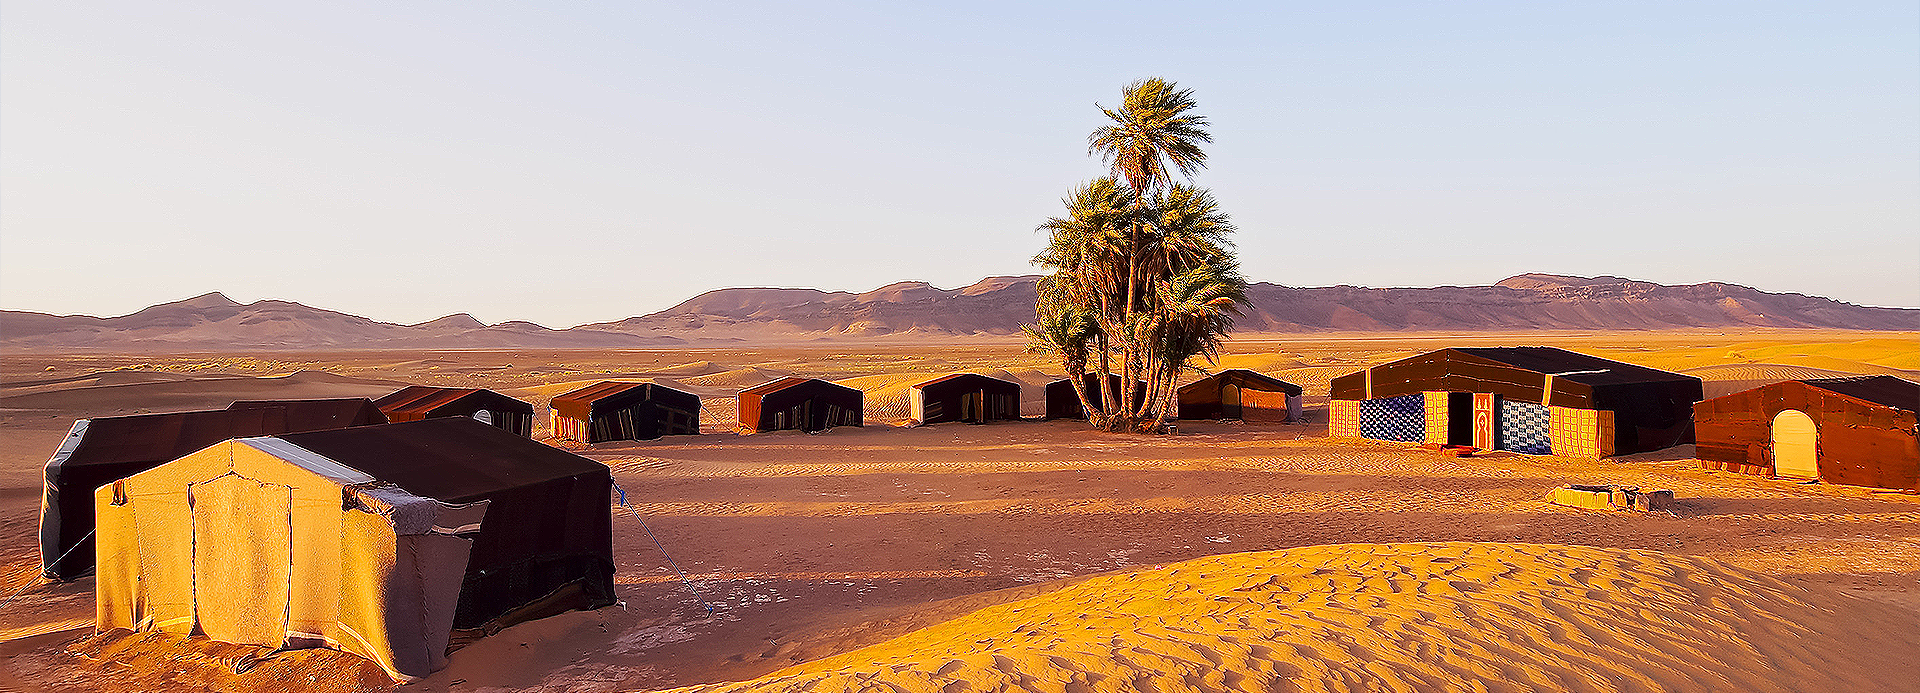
[
  {"x": 1130, "y": 342},
  {"x": 1170, "y": 405},
  {"x": 1077, "y": 373},
  {"x": 1152, "y": 399}
]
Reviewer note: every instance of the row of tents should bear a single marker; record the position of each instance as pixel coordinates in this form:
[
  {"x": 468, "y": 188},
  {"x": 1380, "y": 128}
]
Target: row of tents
[
  {"x": 1532, "y": 400},
  {"x": 390, "y": 527},
  {"x": 616, "y": 410}
]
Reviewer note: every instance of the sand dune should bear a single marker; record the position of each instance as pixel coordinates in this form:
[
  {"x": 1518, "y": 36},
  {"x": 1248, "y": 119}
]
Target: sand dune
[
  {"x": 140, "y": 392},
  {"x": 1727, "y": 379},
  {"x": 886, "y": 395},
  {"x": 542, "y": 393},
  {"x": 1762, "y": 371},
  {"x": 1398, "y": 617},
  {"x": 738, "y": 378},
  {"x": 691, "y": 369}
]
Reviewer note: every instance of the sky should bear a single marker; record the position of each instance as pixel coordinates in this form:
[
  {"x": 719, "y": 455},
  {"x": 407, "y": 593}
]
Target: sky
[{"x": 568, "y": 163}]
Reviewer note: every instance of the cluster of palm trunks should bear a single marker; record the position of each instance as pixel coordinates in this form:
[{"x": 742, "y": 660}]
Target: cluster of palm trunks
[
  {"x": 1233, "y": 394},
  {"x": 394, "y": 527}
]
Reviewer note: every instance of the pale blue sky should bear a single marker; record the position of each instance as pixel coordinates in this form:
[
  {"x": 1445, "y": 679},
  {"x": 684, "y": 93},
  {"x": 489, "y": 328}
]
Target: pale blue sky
[{"x": 577, "y": 162}]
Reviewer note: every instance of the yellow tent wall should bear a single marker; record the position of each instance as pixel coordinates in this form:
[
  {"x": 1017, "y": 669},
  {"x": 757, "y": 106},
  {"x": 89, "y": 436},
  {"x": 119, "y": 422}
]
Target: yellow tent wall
[{"x": 285, "y": 548}]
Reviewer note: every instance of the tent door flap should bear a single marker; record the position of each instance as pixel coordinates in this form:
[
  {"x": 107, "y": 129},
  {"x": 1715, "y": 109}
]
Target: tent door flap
[{"x": 242, "y": 559}]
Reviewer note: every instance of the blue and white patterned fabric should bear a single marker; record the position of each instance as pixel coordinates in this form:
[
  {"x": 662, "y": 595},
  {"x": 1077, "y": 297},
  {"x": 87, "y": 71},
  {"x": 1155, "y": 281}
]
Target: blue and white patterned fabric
[
  {"x": 1524, "y": 428},
  {"x": 1402, "y": 418}
]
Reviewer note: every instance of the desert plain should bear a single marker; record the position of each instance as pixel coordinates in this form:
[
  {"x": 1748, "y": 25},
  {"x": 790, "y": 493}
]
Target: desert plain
[{"x": 1044, "y": 556}]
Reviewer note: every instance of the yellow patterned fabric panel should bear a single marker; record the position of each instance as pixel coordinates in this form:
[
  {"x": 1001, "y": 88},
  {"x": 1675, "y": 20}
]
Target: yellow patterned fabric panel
[
  {"x": 1343, "y": 418},
  {"x": 1583, "y": 433},
  {"x": 1436, "y": 417}
]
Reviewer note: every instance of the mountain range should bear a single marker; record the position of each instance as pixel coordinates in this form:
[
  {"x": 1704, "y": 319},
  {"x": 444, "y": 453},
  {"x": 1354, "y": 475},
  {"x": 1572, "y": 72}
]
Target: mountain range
[{"x": 993, "y": 307}]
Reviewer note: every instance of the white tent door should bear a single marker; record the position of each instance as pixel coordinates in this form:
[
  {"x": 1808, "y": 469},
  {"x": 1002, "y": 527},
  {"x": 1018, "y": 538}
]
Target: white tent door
[
  {"x": 1795, "y": 444},
  {"x": 242, "y": 559}
]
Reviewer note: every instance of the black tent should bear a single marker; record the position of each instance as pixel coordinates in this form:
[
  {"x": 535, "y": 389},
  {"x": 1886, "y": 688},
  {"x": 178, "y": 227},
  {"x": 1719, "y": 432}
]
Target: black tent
[
  {"x": 1503, "y": 397},
  {"x": 968, "y": 397},
  {"x": 617, "y": 410},
  {"x": 805, "y": 404},
  {"x": 316, "y": 414},
  {"x": 546, "y": 543},
  {"x": 416, "y": 402},
  {"x": 1238, "y": 393},
  {"x": 101, "y": 450}
]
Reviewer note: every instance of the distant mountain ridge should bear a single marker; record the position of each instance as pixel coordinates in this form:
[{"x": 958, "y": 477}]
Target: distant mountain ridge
[
  {"x": 213, "y": 321},
  {"x": 995, "y": 306}
]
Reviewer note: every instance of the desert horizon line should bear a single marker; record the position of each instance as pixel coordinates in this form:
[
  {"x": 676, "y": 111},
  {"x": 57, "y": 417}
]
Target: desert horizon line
[{"x": 912, "y": 282}]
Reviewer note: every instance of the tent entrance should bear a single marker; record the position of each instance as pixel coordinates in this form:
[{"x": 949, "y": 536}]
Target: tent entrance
[
  {"x": 242, "y": 559},
  {"x": 1460, "y": 418},
  {"x": 1796, "y": 443},
  {"x": 1230, "y": 401}
]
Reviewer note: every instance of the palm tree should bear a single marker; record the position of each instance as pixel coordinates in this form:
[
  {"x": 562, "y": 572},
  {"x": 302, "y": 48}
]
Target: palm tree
[
  {"x": 1151, "y": 130},
  {"x": 1196, "y": 314},
  {"x": 1065, "y": 330},
  {"x": 1143, "y": 272},
  {"x": 1086, "y": 248}
]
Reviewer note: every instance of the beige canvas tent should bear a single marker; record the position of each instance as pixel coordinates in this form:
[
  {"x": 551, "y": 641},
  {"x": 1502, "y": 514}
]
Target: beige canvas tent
[{"x": 357, "y": 542}]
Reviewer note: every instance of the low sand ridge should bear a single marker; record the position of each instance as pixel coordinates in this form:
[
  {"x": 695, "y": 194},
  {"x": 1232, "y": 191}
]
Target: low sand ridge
[{"x": 1397, "y": 617}]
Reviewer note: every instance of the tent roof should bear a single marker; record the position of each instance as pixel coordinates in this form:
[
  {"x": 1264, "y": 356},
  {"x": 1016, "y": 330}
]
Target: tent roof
[
  {"x": 318, "y": 414},
  {"x": 598, "y": 391},
  {"x": 784, "y": 383},
  {"x": 957, "y": 376},
  {"x": 423, "y": 399},
  {"x": 164, "y": 437},
  {"x": 454, "y": 459},
  {"x": 1287, "y": 387},
  {"x": 1879, "y": 389},
  {"x": 780, "y": 384},
  {"x": 1573, "y": 366}
]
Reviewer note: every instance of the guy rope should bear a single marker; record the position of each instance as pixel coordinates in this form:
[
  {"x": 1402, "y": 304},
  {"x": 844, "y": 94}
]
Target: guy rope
[{"x": 663, "y": 550}]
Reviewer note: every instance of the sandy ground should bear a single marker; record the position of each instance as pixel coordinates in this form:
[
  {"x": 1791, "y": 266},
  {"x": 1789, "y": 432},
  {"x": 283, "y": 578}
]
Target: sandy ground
[
  {"x": 1431, "y": 616},
  {"x": 804, "y": 547}
]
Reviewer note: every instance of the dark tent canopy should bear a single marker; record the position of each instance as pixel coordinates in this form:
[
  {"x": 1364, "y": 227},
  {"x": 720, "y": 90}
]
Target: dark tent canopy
[
  {"x": 968, "y": 397},
  {"x": 101, "y": 450},
  {"x": 615, "y": 410},
  {"x": 316, "y": 414},
  {"x": 416, "y": 402},
  {"x": 804, "y": 404},
  {"x": 1895, "y": 393},
  {"x": 1238, "y": 393},
  {"x": 1064, "y": 403},
  {"x": 546, "y": 543}
]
